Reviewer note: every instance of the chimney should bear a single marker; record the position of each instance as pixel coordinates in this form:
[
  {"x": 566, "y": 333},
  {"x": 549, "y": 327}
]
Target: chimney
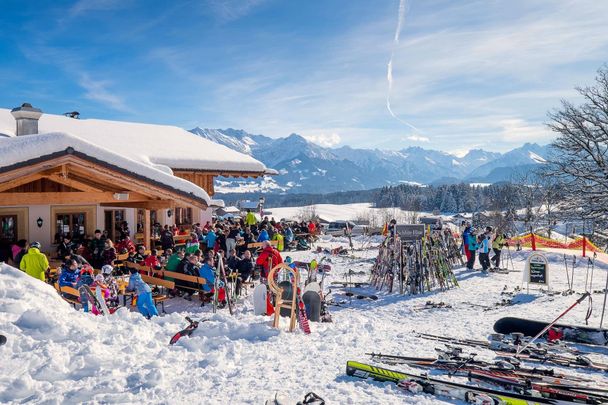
[{"x": 27, "y": 119}]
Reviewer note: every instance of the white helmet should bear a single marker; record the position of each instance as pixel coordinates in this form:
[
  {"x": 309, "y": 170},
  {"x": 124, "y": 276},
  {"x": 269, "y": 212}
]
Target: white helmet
[{"x": 107, "y": 269}]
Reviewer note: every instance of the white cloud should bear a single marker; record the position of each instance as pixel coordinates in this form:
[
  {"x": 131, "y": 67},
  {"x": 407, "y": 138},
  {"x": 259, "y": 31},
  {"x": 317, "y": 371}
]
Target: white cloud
[
  {"x": 327, "y": 141},
  {"x": 97, "y": 90},
  {"x": 418, "y": 138},
  {"x": 84, "y": 6}
]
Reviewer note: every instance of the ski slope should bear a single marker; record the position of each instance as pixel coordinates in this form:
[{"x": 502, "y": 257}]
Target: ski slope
[{"x": 55, "y": 354}]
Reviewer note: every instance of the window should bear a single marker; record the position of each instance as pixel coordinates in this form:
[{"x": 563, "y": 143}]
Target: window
[
  {"x": 73, "y": 224},
  {"x": 113, "y": 220},
  {"x": 183, "y": 216},
  {"x": 8, "y": 228}
]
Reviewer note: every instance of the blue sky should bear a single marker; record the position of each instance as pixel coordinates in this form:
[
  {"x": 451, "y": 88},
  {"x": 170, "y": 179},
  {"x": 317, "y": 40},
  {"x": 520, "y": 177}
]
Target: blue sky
[{"x": 466, "y": 74}]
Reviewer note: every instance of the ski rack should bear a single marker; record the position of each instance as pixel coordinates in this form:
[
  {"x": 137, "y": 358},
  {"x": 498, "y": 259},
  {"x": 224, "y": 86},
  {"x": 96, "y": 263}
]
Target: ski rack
[{"x": 420, "y": 264}]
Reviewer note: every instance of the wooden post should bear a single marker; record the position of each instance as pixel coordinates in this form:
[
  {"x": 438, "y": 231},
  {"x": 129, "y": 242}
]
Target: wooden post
[{"x": 147, "y": 230}]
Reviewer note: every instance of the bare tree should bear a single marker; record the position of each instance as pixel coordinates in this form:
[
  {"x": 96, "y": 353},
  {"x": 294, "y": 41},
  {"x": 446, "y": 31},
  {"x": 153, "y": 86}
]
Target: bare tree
[{"x": 580, "y": 160}]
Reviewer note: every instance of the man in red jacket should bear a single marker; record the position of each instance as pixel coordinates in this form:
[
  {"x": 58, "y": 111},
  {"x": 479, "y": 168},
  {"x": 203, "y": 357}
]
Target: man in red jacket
[{"x": 269, "y": 258}]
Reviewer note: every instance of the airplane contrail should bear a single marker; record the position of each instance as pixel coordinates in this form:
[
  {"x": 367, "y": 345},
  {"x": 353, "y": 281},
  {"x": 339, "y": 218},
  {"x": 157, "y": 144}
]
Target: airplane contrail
[{"x": 389, "y": 73}]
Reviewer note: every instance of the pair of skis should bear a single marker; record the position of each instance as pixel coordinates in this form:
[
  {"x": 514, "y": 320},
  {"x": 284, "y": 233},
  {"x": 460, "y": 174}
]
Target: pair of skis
[
  {"x": 418, "y": 384},
  {"x": 187, "y": 331}
]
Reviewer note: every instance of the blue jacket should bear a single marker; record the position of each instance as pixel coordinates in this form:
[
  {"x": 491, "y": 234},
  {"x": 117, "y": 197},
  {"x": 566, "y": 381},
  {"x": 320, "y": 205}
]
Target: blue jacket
[
  {"x": 84, "y": 279},
  {"x": 208, "y": 274},
  {"x": 288, "y": 235},
  {"x": 67, "y": 278},
  {"x": 137, "y": 284},
  {"x": 472, "y": 242},
  {"x": 210, "y": 239},
  {"x": 263, "y": 236},
  {"x": 484, "y": 246}
]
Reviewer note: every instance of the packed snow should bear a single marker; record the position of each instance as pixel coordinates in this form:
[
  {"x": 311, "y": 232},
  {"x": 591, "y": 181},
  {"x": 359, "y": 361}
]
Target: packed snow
[{"x": 56, "y": 354}]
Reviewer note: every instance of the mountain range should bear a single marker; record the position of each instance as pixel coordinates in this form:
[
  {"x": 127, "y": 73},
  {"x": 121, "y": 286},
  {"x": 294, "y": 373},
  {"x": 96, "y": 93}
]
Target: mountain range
[{"x": 305, "y": 167}]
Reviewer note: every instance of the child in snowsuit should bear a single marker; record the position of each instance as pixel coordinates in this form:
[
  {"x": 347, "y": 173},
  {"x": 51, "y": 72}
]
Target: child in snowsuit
[
  {"x": 145, "y": 303},
  {"x": 85, "y": 278}
]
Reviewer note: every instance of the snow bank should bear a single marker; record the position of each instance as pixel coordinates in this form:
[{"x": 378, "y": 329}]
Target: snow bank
[{"x": 56, "y": 354}]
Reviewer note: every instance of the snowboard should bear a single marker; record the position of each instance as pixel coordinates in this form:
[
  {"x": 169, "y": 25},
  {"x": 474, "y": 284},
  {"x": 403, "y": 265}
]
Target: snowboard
[
  {"x": 260, "y": 293},
  {"x": 312, "y": 302},
  {"x": 2, "y": 340},
  {"x": 577, "y": 334},
  {"x": 313, "y": 286},
  {"x": 287, "y": 296},
  {"x": 302, "y": 317},
  {"x": 102, "y": 302},
  {"x": 186, "y": 332}
]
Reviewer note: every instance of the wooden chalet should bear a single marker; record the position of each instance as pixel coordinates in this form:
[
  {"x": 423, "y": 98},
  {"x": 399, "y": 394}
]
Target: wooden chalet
[{"x": 60, "y": 175}]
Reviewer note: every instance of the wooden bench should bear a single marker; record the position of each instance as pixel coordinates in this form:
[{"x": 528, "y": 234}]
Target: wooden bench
[
  {"x": 159, "y": 298},
  {"x": 68, "y": 290},
  {"x": 257, "y": 245},
  {"x": 196, "y": 280}
]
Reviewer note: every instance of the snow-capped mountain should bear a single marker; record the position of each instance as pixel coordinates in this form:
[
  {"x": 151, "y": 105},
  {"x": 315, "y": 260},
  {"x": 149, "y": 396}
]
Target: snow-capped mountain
[{"x": 306, "y": 167}]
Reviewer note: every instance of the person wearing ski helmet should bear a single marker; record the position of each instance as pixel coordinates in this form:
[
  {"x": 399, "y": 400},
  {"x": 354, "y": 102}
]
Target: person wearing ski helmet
[
  {"x": 35, "y": 262},
  {"x": 145, "y": 302}
]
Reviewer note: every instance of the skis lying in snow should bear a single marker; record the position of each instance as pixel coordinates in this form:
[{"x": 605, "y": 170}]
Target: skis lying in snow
[
  {"x": 186, "y": 332},
  {"x": 540, "y": 353},
  {"x": 578, "y": 334},
  {"x": 418, "y": 384},
  {"x": 349, "y": 284},
  {"x": 431, "y": 305},
  {"x": 509, "y": 375}
]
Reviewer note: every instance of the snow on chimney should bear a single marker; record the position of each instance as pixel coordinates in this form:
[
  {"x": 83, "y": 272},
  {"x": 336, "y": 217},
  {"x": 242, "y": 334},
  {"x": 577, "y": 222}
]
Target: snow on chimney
[{"x": 26, "y": 117}]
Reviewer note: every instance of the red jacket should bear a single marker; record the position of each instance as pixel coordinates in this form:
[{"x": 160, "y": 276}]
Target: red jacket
[
  {"x": 125, "y": 245},
  {"x": 269, "y": 253}
]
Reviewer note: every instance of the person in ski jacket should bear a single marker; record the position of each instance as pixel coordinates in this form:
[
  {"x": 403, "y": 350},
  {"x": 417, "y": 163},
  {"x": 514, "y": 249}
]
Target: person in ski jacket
[
  {"x": 175, "y": 260},
  {"x": 280, "y": 241},
  {"x": 65, "y": 248},
  {"x": 288, "y": 234},
  {"x": 152, "y": 260},
  {"x": 166, "y": 238},
  {"x": 465, "y": 241},
  {"x": 497, "y": 245},
  {"x": 19, "y": 250},
  {"x": 69, "y": 273},
  {"x": 269, "y": 258},
  {"x": 208, "y": 273},
  {"x": 484, "y": 251},
  {"x": 96, "y": 247},
  {"x": 312, "y": 228},
  {"x": 263, "y": 235},
  {"x": 471, "y": 244},
  {"x": 210, "y": 239},
  {"x": 145, "y": 302},
  {"x": 109, "y": 254},
  {"x": 85, "y": 278},
  {"x": 250, "y": 219},
  {"x": 125, "y": 246},
  {"x": 34, "y": 262}
]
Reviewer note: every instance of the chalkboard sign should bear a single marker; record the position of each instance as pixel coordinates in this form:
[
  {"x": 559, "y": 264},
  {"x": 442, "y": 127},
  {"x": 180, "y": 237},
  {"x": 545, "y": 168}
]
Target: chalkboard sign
[
  {"x": 410, "y": 232},
  {"x": 537, "y": 269}
]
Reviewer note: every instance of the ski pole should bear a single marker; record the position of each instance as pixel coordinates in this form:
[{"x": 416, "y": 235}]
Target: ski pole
[
  {"x": 572, "y": 278},
  {"x": 587, "y": 274},
  {"x": 567, "y": 273},
  {"x": 546, "y": 328},
  {"x": 604, "y": 306}
]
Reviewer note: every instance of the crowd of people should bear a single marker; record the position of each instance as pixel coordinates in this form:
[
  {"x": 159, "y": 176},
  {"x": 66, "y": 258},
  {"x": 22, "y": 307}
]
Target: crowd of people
[
  {"x": 194, "y": 251},
  {"x": 481, "y": 244}
]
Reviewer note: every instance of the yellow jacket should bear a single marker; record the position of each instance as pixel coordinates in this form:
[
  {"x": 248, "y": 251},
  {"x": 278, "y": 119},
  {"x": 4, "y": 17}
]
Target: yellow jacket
[
  {"x": 279, "y": 238},
  {"x": 250, "y": 219},
  {"x": 34, "y": 263}
]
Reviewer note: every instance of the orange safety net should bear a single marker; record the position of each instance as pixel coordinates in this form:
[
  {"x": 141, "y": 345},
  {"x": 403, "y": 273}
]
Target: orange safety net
[{"x": 542, "y": 242}]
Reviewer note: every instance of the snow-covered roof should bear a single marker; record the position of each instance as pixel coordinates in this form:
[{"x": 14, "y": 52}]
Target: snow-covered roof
[
  {"x": 153, "y": 145},
  {"x": 17, "y": 150}
]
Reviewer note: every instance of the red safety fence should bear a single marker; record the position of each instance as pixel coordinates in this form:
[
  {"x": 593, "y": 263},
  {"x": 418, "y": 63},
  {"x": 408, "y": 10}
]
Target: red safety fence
[{"x": 534, "y": 241}]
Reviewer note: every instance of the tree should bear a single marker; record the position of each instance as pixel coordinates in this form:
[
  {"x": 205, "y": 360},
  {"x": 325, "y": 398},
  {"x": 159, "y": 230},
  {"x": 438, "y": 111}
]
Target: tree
[{"x": 580, "y": 159}]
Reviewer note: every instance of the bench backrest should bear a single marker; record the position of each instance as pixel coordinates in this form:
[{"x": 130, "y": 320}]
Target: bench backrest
[
  {"x": 158, "y": 281},
  {"x": 260, "y": 244},
  {"x": 69, "y": 290},
  {"x": 181, "y": 276}
]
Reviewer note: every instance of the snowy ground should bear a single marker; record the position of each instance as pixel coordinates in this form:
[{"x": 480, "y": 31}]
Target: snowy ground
[{"x": 58, "y": 355}]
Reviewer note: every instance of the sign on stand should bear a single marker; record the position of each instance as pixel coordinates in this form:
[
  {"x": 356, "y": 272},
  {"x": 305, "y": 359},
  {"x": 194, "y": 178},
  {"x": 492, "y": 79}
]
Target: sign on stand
[{"x": 537, "y": 270}]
